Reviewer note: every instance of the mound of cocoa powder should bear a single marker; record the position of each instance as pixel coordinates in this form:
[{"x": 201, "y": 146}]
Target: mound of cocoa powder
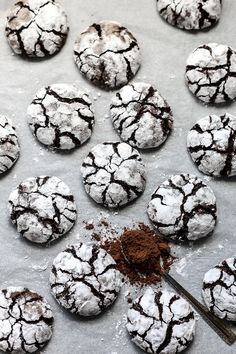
[{"x": 140, "y": 254}]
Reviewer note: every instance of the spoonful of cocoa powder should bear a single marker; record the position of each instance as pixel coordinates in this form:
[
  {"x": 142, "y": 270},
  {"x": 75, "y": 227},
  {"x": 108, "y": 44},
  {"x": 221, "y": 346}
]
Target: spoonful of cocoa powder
[{"x": 140, "y": 254}]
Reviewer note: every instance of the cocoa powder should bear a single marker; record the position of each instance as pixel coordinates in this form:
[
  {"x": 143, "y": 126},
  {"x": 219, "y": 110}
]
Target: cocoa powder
[
  {"x": 89, "y": 226},
  {"x": 140, "y": 254}
]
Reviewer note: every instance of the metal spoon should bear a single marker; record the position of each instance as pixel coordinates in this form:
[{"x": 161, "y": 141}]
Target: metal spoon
[{"x": 218, "y": 325}]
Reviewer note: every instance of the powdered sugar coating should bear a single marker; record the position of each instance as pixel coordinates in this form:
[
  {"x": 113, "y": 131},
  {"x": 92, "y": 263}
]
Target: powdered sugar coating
[
  {"x": 42, "y": 208},
  {"x": 61, "y": 116},
  {"x": 183, "y": 208},
  {"x": 161, "y": 322},
  {"x": 36, "y": 28},
  {"x": 211, "y": 73},
  {"x": 26, "y": 321},
  {"x": 190, "y": 14},
  {"x": 141, "y": 115},
  {"x": 9, "y": 144},
  {"x": 84, "y": 279},
  {"x": 113, "y": 174},
  {"x": 212, "y": 145},
  {"x": 107, "y": 54},
  {"x": 219, "y": 289}
]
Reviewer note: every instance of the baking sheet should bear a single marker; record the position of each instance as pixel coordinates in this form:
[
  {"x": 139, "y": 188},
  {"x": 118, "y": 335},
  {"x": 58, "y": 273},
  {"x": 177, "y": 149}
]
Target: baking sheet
[{"x": 164, "y": 50}]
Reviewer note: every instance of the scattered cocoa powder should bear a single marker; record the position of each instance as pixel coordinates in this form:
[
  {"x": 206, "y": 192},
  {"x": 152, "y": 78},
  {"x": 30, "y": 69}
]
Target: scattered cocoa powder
[
  {"x": 89, "y": 226},
  {"x": 140, "y": 254},
  {"x": 129, "y": 300},
  {"x": 96, "y": 236},
  {"x": 104, "y": 223}
]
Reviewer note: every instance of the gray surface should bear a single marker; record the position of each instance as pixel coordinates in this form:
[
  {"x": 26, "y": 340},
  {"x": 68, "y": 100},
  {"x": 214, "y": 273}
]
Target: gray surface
[{"x": 164, "y": 50}]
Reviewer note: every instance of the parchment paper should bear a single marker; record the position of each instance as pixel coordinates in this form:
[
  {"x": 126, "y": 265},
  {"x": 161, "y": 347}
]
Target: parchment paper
[{"x": 164, "y": 51}]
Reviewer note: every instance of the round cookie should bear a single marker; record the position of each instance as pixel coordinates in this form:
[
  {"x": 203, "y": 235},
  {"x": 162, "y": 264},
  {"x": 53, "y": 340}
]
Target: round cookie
[
  {"x": 210, "y": 73},
  {"x": 107, "y": 54},
  {"x": 190, "y": 14},
  {"x": 42, "y": 208},
  {"x": 36, "y": 28},
  {"x": 9, "y": 144},
  {"x": 113, "y": 174},
  {"x": 212, "y": 145},
  {"x": 26, "y": 321},
  {"x": 61, "y": 116},
  {"x": 141, "y": 116},
  {"x": 219, "y": 289},
  {"x": 84, "y": 279},
  {"x": 161, "y": 322},
  {"x": 183, "y": 208}
]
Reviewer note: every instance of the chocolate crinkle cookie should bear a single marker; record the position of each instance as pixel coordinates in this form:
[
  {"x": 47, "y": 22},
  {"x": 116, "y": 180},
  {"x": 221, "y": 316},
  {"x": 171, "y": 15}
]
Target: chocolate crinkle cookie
[
  {"x": 9, "y": 144},
  {"x": 183, "y": 208},
  {"x": 161, "y": 322},
  {"x": 61, "y": 116},
  {"x": 212, "y": 145},
  {"x": 190, "y": 14},
  {"x": 219, "y": 289},
  {"x": 113, "y": 174},
  {"x": 141, "y": 116},
  {"x": 42, "y": 208},
  {"x": 84, "y": 279},
  {"x": 211, "y": 73},
  {"x": 107, "y": 54},
  {"x": 36, "y": 28},
  {"x": 26, "y": 321}
]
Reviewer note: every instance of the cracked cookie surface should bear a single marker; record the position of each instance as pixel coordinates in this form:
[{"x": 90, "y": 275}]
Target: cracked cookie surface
[
  {"x": 107, "y": 54},
  {"x": 26, "y": 321},
  {"x": 190, "y": 14},
  {"x": 84, "y": 279},
  {"x": 212, "y": 145},
  {"x": 61, "y": 116},
  {"x": 183, "y": 208},
  {"x": 9, "y": 144},
  {"x": 219, "y": 289},
  {"x": 141, "y": 116},
  {"x": 113, "y": 174},
  {"x": 161, "y": 322},
  {"x": 36, "y": 28},
  {"x": 42, "y": 208},
  {"x": 211, "y": 73}
]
